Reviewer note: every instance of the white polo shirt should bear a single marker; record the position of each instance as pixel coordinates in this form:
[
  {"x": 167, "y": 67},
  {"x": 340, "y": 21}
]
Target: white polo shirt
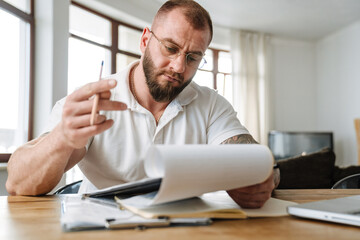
[{"x": 198, "y": 115}]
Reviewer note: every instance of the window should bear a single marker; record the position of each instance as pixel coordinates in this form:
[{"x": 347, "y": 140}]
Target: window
[
  {"x": 16, "y": 67},
  {"x": 104, "y": 39},
  {"x": 216, "y": 73}
]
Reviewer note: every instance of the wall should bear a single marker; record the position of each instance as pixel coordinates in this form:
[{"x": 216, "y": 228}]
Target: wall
[
  {"x": 51, "y": 56},
  {"x": 315, "y": 87},
  {"x": 292, "y": 70},
  {"x": 338, "y": 89},
  {"x": 292, "y": 85}
]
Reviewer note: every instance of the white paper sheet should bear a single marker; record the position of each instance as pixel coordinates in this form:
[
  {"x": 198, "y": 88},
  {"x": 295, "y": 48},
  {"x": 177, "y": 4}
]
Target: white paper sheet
[
  {"x": 191, "y": 170},
  {"x": 215, "y": 204},
  {"x": 85, "y": 214}
]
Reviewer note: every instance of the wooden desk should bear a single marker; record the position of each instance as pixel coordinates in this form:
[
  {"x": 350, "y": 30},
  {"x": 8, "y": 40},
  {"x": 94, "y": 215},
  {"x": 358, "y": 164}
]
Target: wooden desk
[{"x": 39, "y": 218}]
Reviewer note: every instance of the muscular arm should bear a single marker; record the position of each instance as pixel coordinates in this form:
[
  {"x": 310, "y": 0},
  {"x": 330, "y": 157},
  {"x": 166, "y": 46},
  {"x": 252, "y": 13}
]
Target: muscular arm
[
  {"x": 252, "y": 196},
  {"x": 36, "y": 167}
]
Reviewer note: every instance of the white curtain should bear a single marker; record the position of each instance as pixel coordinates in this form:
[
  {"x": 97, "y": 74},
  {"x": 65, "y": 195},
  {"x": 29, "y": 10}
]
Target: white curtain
[{"x": 250, "y": 81}]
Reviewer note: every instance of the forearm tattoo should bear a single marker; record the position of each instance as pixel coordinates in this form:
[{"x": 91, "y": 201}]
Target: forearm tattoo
[{"x": 240, "y": 139}]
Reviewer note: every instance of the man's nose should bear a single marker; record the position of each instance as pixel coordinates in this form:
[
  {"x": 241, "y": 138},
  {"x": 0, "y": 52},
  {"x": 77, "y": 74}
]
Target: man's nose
[{"x": 179, "y": 63}]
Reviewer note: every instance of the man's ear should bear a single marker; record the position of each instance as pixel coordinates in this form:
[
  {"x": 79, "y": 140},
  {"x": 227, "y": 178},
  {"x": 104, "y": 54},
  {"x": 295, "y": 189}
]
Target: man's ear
[{"x": 144, "y": 39}]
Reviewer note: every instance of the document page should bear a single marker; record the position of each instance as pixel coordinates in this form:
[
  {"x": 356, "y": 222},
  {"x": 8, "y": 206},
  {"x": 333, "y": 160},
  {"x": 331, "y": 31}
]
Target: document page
[
  {"x": 213, "y": 205},
  {"x": 191, "y": 170}
]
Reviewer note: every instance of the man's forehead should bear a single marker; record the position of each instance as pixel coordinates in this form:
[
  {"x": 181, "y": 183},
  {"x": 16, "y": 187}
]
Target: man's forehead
[{"x": 176, "y": 29}]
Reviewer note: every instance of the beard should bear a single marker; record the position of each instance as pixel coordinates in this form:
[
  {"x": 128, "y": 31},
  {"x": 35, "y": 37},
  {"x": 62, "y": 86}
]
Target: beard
[{"x": 167, "y": 92}]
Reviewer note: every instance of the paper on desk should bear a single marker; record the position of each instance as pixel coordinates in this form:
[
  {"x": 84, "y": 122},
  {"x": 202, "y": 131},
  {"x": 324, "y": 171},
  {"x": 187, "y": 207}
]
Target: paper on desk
[
  {"x": 213, "y": 205},
  {"x": 84, "y": 214},
  {"x": 79, "y": 214},
  {"x": 272, "y": 208},
  {"x": 191, "y": 170}
]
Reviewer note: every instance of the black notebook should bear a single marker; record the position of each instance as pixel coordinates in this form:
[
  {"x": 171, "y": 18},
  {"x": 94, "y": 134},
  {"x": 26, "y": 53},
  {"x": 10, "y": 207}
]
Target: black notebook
[{"x": 128, "y": 189}]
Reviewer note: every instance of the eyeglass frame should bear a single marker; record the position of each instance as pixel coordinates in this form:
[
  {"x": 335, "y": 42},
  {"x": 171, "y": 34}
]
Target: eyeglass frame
[{"x": 178, "y": 53}]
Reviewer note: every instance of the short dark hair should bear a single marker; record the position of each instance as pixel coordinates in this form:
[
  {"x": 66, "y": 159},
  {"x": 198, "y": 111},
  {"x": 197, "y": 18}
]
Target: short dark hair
[{"x": 194, "y": 13}]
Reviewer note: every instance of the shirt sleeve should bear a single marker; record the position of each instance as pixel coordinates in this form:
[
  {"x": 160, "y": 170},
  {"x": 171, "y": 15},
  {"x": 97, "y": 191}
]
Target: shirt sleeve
[
  {"x": 223, "y": 122},
  {"x": 55, "y": 116}
]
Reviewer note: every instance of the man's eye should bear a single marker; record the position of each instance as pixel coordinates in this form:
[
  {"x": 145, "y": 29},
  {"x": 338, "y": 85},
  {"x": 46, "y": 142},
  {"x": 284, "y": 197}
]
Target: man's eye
[
  {"x": 193, "y": 58},
  {"x": 171, "y": 50}
]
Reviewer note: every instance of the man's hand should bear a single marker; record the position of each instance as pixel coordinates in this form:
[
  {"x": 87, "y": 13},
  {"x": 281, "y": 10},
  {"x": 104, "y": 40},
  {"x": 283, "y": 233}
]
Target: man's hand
[
  {"x": 75, "y": 124},
  {"x": 254, "y": 196}
]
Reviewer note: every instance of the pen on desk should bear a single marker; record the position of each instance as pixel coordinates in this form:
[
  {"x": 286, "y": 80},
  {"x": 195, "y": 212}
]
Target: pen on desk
[{"x": 96, "y": 100}]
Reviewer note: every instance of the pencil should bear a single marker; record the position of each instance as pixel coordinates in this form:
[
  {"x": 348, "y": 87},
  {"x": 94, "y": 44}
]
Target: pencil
[{"x": 96, "y": 100}]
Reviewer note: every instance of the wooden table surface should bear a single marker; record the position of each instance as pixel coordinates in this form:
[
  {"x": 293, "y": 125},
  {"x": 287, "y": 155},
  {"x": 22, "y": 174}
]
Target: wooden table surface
[{"x": 39, "y": 218}]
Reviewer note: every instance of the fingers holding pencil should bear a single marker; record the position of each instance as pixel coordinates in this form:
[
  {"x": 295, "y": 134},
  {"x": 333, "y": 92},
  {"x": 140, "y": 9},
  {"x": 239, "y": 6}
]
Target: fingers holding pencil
[
  {"x": 81, "y": 118},
  {"x": 102, "y": 102},
  {"x": 82, "y": 100},
  {"x": 95, "y": 106}
]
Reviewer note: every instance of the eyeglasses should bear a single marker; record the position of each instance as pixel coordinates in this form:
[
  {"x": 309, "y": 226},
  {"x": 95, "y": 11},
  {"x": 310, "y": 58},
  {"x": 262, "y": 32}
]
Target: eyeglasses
[{"x": 172, "y": 51}]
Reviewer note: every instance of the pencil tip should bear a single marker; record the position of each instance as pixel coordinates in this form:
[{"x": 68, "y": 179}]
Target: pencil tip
[{"x": 102, "y": 63}]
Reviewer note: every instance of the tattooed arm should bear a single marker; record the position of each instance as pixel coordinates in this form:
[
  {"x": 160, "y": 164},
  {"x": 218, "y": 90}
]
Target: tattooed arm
[
  {"x": 240, "y": 139},
  {"x": 256, "y": 195}
]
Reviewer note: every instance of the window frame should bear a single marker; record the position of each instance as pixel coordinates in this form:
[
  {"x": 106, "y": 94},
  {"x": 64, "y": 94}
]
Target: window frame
[
  {"x": 114, "y": 46},
  {"x": 215, "y": 69},
  {"x": 30, "y": 19}
]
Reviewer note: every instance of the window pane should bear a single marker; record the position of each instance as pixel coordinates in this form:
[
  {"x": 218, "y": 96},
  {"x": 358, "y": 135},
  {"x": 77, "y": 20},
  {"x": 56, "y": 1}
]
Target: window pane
[
  {"x": 14, "y": 82},
  {"x": 209, "y": 60},
  {"x": 204, "y": 79},
  {"x": 225, "y": 62},
  {"x": 225, "y": 86},
  {"x": 23, "y": 5},
  {"x": 129, "y": 39},
  {"x": 90, "y": 26},
  {"x": 84, "y": 69},
  {"x": 123, "y": 60}
]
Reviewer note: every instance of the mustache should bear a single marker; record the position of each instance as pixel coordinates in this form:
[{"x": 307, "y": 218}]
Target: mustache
[{"x": 172, "y": 74}]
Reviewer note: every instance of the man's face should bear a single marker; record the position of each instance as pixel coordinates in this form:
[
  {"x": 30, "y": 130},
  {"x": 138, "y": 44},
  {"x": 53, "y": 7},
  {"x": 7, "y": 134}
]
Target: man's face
[
  {"x": 167, "y": 77},
  {"x": 166, "y": 91}
]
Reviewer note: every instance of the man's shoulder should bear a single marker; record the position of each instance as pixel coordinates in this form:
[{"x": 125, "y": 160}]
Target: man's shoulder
[
  {"x": 208, "y": 94},
  {"x": 202, "y": 89}
]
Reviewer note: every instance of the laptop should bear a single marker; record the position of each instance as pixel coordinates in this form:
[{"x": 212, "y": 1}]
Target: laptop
[{"x": 344, "y": 210}]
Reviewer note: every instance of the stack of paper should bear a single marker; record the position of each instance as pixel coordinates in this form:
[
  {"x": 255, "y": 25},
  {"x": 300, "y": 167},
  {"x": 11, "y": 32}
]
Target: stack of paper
[
  {"x": 179, "y": 174},
  {"x": 211, "y": 205}
]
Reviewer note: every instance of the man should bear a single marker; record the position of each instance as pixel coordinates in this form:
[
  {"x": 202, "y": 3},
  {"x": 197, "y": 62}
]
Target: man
[{"x": 152, "y": 101}]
